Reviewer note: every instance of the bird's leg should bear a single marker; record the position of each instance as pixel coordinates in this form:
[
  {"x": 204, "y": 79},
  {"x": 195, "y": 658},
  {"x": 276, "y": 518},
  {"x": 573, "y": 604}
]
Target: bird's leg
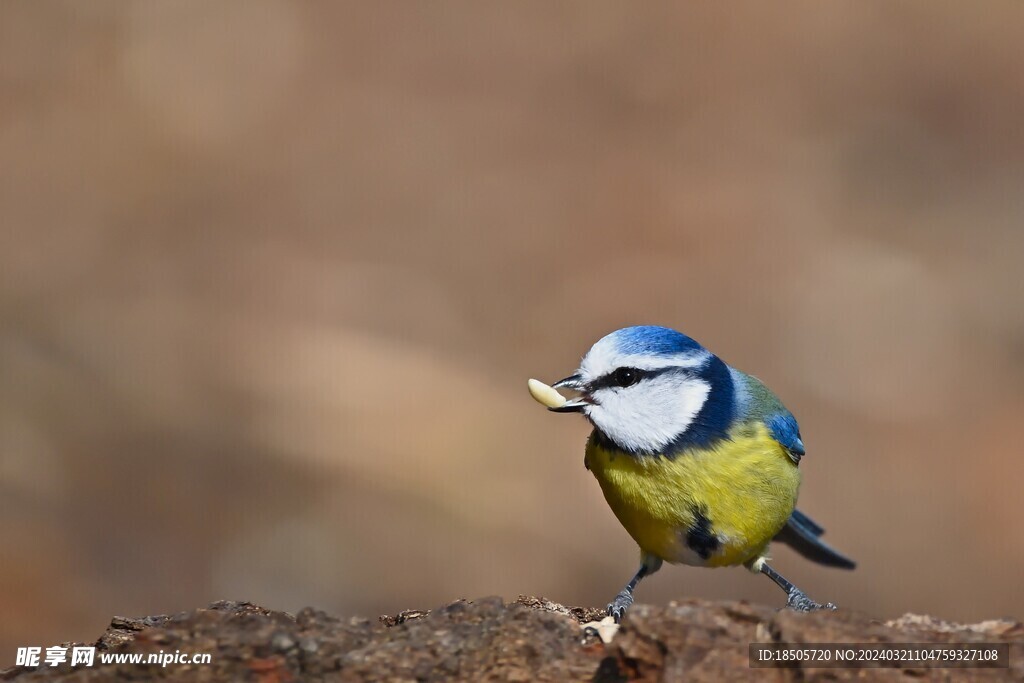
[
  {"x": 797, "y": 599},
  {"x": 617, "y": 607}
]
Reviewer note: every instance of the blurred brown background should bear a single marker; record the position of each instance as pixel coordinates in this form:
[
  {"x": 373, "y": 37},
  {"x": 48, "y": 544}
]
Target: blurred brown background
[{"x": 274, "y": 275}]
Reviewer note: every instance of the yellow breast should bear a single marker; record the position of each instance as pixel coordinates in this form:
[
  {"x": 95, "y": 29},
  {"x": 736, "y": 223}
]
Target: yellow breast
[{"x": 714, "y": 507}]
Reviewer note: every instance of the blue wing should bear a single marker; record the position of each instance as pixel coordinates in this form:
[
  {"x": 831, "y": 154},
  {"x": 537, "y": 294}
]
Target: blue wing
[{"x": 786, "y": 431}]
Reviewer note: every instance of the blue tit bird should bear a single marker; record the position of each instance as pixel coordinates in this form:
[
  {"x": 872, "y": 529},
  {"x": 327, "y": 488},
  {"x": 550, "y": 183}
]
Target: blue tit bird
[{"x": 698, "y": 461}]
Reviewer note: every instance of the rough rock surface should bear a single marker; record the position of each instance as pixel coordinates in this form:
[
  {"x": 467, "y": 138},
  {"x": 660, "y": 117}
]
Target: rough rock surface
[{"x": 530, "y": 639}]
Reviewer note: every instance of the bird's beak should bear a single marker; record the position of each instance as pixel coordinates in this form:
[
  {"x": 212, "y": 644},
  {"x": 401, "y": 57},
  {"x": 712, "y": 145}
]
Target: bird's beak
[
  {"x": 573, "y": 382},
  {"x": 576, "y": 405}
]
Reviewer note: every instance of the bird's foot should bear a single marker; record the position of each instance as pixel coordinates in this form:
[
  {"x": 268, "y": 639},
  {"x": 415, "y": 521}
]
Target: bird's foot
[
  {"x": 617, "y": 607},
  {"x": 799, "y": 602}
]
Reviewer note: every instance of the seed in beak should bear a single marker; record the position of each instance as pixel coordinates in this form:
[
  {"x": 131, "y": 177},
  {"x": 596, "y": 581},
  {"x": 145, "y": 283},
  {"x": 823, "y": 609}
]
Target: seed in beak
[{"x": 544, "y": 394}]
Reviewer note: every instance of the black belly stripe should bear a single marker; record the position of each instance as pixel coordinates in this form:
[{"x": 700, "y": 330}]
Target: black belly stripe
[{"x": 699, "y": 538}]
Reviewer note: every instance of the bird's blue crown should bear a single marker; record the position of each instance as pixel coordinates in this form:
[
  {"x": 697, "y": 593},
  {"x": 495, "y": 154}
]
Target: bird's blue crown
[{"x": 652, "y": 340}]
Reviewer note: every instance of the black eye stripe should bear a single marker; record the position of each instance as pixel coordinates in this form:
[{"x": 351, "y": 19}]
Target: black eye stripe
[
  {"x": 610, "y": 380},
  {"x": 616, "y": 378}
]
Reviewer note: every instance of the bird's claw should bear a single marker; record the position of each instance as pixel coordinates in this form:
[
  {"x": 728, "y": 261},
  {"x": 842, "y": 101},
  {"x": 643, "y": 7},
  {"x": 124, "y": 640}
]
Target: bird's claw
[
  {"x": 799, "y": 602},
  {"x": 617, "y": 607}
]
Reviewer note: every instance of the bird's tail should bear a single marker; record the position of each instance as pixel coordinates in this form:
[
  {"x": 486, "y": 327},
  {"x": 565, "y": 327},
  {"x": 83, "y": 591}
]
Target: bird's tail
[{"x": 803, "y": 535}]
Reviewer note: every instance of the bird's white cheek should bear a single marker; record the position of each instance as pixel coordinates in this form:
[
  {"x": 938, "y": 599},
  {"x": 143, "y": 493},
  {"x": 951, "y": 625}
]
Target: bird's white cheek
[{"x": 650, "y": 415}]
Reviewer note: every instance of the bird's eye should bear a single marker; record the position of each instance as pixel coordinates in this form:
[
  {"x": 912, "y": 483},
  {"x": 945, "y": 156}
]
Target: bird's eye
[{"x": 625, "y": 377}]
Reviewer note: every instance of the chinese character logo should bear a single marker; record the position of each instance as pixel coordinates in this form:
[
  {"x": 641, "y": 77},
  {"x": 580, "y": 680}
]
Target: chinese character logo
[{"x": 28, "y": 656}]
